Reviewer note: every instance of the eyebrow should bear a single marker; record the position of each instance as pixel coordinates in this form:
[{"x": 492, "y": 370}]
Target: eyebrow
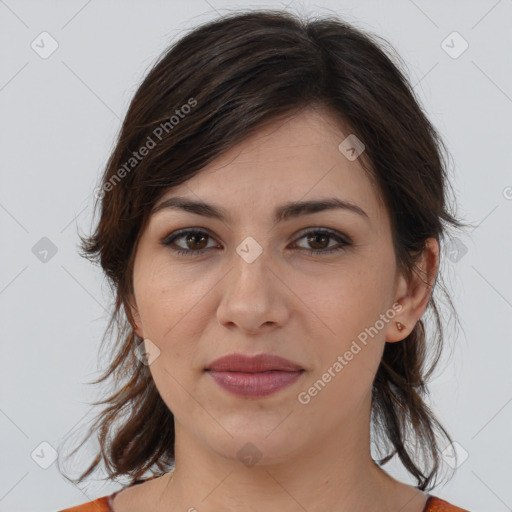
[{"x": 282, "y": 213}]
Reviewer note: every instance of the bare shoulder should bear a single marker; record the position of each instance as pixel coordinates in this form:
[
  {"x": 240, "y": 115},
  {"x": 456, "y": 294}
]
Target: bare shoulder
[
  {"x": 410, "y": 499},
  {"x": 137, "y": 497}
]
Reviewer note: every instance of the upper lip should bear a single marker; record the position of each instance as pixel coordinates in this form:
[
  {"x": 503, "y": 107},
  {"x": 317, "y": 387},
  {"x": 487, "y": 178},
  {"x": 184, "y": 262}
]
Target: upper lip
[{"x": 258, "y": 363}]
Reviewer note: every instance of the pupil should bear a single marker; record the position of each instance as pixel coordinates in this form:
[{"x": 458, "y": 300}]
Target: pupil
[
  {"x": 193, "y": 237},
  {"x": 312, "y": 240}
]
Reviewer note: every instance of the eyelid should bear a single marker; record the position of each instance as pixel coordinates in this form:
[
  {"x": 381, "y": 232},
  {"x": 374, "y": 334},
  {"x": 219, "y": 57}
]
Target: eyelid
[
  {"x": 329, "y": 231},
  {"x": 298, "y": 235},
  {"x": 342, "y": 239}
]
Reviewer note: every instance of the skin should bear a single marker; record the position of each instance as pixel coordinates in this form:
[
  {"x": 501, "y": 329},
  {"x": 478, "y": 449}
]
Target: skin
[{"x": 306, "y": 308}]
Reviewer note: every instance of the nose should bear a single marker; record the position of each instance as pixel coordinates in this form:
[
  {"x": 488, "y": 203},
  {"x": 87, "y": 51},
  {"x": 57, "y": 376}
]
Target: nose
[{"x": 254, "y": 296}]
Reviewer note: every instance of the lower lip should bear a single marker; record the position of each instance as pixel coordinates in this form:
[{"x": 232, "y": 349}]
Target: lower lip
[{"x": 254, "y": 384}]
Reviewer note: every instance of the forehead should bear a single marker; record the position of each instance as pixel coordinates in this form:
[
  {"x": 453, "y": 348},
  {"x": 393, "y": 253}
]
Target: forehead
[{"x": 294, "y": 159}]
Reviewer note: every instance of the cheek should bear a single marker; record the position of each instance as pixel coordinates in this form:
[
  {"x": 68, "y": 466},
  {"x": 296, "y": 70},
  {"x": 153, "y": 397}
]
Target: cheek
[
  {"x": 170, "y": 305},
  {"x": 346, "y": 310},
  {"x": 345, "y": 300},
  {"x": 165, "y": 294},
  {"x": 349, "y": 344}
]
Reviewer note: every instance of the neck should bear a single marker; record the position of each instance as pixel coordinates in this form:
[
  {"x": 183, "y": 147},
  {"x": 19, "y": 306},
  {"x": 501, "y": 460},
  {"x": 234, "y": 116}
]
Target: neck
[{"x": 335, "y": 472}]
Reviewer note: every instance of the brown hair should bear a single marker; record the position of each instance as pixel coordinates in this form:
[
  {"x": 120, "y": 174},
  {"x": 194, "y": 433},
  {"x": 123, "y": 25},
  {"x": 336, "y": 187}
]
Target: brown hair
[{"x": 218, "y": 84}]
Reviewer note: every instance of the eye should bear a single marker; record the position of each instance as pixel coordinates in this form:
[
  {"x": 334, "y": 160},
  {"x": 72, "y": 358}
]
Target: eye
[
  {"x": 193, "y": 238},
  {"x": 319, "y": 239},
  {"x": 195, "y": 241}
]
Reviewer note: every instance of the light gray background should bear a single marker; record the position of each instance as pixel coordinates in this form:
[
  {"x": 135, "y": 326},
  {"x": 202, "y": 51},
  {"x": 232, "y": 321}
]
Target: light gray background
[{"x": 59, "y": 117}]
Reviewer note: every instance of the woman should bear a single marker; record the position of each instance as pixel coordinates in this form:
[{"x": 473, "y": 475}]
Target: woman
[{"x": 271, "y": 219}]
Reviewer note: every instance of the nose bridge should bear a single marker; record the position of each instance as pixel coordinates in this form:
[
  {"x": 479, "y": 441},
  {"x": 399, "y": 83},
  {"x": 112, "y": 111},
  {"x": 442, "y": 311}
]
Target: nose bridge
[
  {"x": 251, "y": 296},
  {"x": 252, "y": 261},
  {"x": 250, "y": 250}
]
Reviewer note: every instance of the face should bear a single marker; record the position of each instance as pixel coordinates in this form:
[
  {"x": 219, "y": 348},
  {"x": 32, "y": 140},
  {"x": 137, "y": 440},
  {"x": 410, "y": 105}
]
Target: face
[{"x": 308, "y": 287}]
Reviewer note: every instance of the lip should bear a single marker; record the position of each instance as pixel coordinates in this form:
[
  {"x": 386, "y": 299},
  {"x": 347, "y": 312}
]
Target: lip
[
  {"x": 252, "y": 364},
  {"x": 253, "y": 376}
]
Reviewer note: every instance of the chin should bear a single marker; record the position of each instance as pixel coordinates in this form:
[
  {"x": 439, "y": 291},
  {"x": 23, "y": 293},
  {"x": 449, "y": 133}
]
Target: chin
[{"x": 253, "y": 447}]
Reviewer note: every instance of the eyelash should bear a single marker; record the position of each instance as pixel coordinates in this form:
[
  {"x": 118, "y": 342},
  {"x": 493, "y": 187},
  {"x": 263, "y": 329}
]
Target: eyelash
[{"x": 169, "y": 240}]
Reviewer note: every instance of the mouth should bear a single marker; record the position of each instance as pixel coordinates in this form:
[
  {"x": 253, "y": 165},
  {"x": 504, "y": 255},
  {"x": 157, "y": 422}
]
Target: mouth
[{"x": 254, "y": 376}]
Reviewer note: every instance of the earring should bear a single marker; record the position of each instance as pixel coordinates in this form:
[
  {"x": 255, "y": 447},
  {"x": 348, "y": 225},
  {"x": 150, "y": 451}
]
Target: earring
[{"x": 400, "y": 326}]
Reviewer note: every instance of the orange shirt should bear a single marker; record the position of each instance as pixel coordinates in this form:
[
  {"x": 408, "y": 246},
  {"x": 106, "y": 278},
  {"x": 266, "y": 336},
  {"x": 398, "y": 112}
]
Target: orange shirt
[{"x": 434, "y": 504}]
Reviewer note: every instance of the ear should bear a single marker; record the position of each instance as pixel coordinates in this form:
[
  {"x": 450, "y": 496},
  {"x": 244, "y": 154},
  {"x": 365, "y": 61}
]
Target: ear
[
  {"x": 133, "y": 315},
  {"x": 414, "y": 293}
]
